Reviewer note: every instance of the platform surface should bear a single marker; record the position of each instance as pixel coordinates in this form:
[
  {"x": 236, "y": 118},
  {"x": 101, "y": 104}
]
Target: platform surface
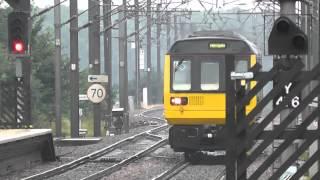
[{"x": 11, "y": 135}]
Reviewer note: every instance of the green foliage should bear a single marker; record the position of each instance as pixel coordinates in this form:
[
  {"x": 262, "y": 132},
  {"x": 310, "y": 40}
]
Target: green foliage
[
  {"x": 7, "y": 66},
  {"x": 42, "y": 83},
  {"x": 86, "y": 123},
  {"x": 3, "y": 25},
  {"x": 83, "y": 81}
]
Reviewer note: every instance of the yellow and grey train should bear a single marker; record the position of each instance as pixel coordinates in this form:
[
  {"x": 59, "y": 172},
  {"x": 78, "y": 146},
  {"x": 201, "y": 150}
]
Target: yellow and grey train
[{"x": 194, "y": 87}]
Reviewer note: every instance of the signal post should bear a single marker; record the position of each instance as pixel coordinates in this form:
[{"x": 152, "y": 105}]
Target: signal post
[
  {"x": 19, "y": 30},
  {"x": 287, "y": 42},
  {"x": 287, "y": 9}
]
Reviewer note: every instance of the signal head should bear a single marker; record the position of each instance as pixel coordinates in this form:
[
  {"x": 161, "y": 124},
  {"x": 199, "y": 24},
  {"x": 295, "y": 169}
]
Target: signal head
[
  {"x": 283, "y": 26},
  {"x": 18, "y": 32},
  {"x": 286, "y": 38},
  {"x": 18, "y": 47},
  {"x": 299, "y": 41}
]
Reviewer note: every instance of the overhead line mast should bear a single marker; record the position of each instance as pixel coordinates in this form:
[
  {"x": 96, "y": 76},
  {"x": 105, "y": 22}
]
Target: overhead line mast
[
  {"x": 137, "y": 52},
  {"x": 74, "y": 68},
  {"x": 94, "y": 57},
  {"x": 149, "y": 45},
  {"x": 108, "y": 60},
  {"x": 123, "y": 69},
  {"x": 57, "y": 64}
]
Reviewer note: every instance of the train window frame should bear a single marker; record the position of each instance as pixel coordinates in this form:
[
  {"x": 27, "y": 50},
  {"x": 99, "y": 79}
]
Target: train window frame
[
  {"x": 195, "y": 62},
  {"x": 243, "y": 58},
  {"x": 202, "y": 62},
  {"x": 172, "y": 72}
]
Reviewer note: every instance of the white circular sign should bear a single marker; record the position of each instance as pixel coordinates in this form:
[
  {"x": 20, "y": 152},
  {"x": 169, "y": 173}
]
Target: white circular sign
[{"x": 96, "y": 93}]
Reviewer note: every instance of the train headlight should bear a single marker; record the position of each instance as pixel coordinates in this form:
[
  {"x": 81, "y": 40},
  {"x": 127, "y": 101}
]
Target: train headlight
[{"x": 179, "y": 100}]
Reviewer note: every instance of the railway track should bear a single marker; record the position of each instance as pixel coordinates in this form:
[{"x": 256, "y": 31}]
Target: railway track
[
  {"x": 150, "y": 134},
  {"x": 118, "y": 166},
  {"x": 151, "y": 160},
  {"x": 172, "y": 171},
  {"x": 180, "y": 166}
]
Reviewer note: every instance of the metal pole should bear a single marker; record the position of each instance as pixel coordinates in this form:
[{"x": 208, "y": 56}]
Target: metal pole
[
  {"x": 240, "y": 117},
  {"x": 315, "y": 33},
  {"x": 94, "y": 56},
  {"x": 149, "y": 50},
  {"x": 158, "y": 52},
  {"x": 287, "y": 8},
  {"x": 306, "y": 24},
  {"x": 182, "y": 30},
  {"x": 190, "y": 23},
  {"x": 74, "y": 67},
  {"x": 26, "y": 69},
  {"x": 57, "y": 73},
  {"x": 168, "y": 30},
  {"x": 123, "y": 72},
  {"x": 230, "y": 121},
  {"x": 27, "y": 64},
  {"x": 314, "y": 61},
  {"x": 175, "y": 27},
  {"x": 318, "y": 61},
  {"x": 137, "y": 52},
  {"x": 190, "y": 28},
  {"x": 108, "y": 58}
]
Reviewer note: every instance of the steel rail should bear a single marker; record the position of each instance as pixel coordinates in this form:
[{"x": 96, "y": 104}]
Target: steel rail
[
  {"x": 143, "y": 114},
  {"x": 118, "y": 166},
  {"x": 82, "y": 160},
  {"x": 172, "y": 171}
]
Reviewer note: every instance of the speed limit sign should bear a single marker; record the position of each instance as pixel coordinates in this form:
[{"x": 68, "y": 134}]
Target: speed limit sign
[{"x": 96, "y": 93}]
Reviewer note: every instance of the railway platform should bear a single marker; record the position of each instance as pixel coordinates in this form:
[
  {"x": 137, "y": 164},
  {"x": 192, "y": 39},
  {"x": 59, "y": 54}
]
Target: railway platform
[{"x": 24, "y": 148}]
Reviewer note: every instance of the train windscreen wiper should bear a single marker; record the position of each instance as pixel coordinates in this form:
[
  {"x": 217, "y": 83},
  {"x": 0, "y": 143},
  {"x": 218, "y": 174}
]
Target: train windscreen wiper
[{"x": 178, "y": 65}]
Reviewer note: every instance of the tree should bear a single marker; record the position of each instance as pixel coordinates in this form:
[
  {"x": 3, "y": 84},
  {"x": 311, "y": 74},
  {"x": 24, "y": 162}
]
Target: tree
[
  {"x": 6, "y": 64},
  {"x": 42, "y": 81}
]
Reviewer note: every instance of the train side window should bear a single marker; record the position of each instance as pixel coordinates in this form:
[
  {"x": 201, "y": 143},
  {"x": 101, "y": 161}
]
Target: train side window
[
  {"x": 181, "y": 75},
  {"x": 210, "y": 76},
  {"x": 241, "y": 66}
]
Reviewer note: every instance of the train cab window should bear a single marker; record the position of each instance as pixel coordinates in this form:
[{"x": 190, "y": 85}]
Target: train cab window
[
  {"x": 181, "y": 75},
  {"x": 210, "y": 76},
  {"x": 241, "y": 66}
]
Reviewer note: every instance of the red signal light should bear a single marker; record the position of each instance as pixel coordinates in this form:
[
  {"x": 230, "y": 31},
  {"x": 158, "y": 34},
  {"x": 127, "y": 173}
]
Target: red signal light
[{"x": 18, "y": 47}]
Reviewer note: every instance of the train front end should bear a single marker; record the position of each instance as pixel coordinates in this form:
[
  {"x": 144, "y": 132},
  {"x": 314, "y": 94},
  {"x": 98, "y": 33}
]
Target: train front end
[{"x": 194, "y": 90}]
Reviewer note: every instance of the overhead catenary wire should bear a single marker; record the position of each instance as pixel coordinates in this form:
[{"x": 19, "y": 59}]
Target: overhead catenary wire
[
  {"x": 47, "y": 9},
  {"x": 249, "y": 15},
  {"x": 125, "y": 19},
  {"x": 116, "y": 10},
  {"x": 76, "y": 16}
]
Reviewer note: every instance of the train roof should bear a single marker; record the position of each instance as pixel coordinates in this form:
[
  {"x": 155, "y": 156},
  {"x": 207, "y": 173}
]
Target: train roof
[
  {"x": 226, "y": 34},
  {"x": 215, "y": 35}
]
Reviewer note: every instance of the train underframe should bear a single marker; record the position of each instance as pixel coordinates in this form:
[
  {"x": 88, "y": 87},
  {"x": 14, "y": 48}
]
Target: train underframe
[{"x": 191, "y": 139}]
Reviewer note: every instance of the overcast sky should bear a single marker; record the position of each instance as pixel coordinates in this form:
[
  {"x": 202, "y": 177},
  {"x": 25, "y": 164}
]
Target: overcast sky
[{"x": 194, "y": 5}]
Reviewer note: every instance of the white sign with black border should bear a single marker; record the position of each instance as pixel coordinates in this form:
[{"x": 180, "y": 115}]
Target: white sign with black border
[
  {"x": 83, "y": 97},
  {"x": 98, "y": 78},
  {"x": 96, "y": 93}
]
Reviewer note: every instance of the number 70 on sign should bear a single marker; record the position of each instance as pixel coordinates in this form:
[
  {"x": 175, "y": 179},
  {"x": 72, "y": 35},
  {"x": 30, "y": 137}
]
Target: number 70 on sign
[{"x": 96, "y": 93}]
